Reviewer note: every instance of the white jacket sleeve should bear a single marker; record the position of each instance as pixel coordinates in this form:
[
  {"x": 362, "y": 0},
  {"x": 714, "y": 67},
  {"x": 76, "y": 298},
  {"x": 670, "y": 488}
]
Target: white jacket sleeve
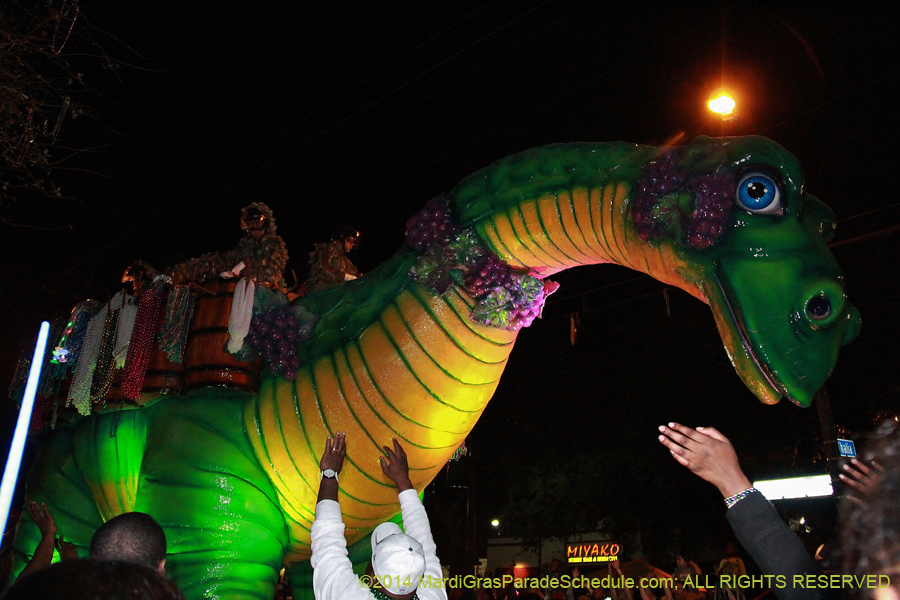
[
  {"x": 333, "y": 576},
  {"x": 416, "y": 525}
]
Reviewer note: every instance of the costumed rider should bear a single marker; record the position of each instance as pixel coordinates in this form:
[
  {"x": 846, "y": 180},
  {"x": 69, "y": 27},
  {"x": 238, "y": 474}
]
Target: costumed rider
[
  {"x": 140, "y": 275},
  {"x": 403, "y": 566},
  {"x": 328, "y": 263},
  {"x": 260, "y": 255}
]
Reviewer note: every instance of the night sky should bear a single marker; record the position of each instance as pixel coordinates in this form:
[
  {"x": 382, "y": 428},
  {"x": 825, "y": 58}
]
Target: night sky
[{"x": 361, "y": 112}]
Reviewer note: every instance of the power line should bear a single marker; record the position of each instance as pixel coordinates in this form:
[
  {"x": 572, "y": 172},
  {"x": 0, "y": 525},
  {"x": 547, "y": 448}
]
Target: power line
[
  {"x": 868, "y": 212},
  {"x": 866, "y": 236}
]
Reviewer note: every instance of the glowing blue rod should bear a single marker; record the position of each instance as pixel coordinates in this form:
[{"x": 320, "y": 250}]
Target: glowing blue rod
[{"x": 14, "y": 461}]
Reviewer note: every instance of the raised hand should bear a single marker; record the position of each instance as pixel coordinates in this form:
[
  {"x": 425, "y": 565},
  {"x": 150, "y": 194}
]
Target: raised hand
[
  {"x": 861, "y": 478},
  {"x": 708, "y": 454},
  {"x": 332, "y": 458},
  {"x": 66, "y": 549},
  {"x": 614, "y": 565},
  {"x": 43, "y": 518},
  {"x": 396, "y": 466},
  {"x": 335, "y": 451},
  {"x": 43, "y": 553}
]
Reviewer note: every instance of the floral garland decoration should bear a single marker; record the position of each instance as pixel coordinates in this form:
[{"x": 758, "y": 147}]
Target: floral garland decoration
[{"x": 505, "y": 297}]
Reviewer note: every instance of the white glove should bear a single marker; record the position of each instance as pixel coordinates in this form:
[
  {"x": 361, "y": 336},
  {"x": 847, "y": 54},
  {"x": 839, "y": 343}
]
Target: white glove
[{"x": 233, "y": 272}]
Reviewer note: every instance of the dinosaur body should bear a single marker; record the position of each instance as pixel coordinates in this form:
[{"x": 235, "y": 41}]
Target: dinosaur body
[{"x": 233, "y": 478}]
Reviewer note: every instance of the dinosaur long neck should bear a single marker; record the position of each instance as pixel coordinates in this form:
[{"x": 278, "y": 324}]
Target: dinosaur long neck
[{"x": 563, "y": 206}]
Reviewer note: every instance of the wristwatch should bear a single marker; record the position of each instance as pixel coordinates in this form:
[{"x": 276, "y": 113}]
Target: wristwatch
[{"x": 329, "y": 474}]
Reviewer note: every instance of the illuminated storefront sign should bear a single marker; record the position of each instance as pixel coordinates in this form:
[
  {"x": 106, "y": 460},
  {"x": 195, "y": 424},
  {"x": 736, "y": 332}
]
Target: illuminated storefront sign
[{"x": 591, "y": 552}]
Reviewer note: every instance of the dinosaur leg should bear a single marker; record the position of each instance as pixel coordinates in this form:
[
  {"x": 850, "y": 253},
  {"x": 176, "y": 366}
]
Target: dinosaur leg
[
  {"x": 200, "y": 479},
  {"x": 56, "y": 480},
  {"x": 109, "y": 448}
]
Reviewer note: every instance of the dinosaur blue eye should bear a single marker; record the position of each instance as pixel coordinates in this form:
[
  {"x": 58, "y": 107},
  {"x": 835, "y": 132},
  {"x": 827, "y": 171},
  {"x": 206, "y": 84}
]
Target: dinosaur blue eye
[{"x": 759, "y": 194}]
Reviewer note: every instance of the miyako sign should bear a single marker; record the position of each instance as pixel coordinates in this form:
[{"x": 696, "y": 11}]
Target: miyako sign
[{"x": 591, "y": 552}]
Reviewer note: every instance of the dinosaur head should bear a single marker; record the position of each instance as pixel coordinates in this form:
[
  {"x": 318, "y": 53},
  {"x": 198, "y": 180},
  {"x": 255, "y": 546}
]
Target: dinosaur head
[{"x": 755, "y": 243}]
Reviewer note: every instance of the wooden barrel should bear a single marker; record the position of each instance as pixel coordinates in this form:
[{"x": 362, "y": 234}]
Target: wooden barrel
[
  {"x": 206, "y": 361},
  {"x": 163, "y": 376}
]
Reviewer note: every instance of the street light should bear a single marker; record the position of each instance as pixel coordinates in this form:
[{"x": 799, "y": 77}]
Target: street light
[
  {"x": 495, "y": 523},
  {"x": 723, "y": 104}
]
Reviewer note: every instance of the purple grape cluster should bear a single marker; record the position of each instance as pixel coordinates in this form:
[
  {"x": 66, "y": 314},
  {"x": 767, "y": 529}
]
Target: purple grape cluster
[
  {"x": 274, "y": 335},
  {"x": 430, "y": 225},
  {"x": 713, "y": 207},
  {"x": 525, "y": 316},
  {"x": 516, "y": 306},
  {"x": 488, "y": 273},
  {"x": 662, "y": 176},
  {"x": 666, "y": 175}
]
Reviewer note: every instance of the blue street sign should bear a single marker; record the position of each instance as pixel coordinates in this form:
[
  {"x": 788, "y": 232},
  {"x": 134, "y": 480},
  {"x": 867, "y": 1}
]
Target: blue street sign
[{"x": 847, "y": 448}]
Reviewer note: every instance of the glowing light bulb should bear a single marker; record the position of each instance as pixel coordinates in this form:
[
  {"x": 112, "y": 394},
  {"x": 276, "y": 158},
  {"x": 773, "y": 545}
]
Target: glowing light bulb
[{"x": 722, "y": 104}]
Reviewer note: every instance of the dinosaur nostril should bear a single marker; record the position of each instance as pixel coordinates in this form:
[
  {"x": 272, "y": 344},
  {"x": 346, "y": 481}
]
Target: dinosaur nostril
[{"x": 818, "y": 308}]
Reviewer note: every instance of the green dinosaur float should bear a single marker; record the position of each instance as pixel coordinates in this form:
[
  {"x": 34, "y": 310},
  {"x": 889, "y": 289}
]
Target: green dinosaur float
[{"x": 415, "y": 349}]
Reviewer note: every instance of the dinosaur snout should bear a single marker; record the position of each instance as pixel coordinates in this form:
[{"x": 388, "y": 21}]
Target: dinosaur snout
[
  {"x": 823, "y": 303},
  {"x": 824, "y": 306}
]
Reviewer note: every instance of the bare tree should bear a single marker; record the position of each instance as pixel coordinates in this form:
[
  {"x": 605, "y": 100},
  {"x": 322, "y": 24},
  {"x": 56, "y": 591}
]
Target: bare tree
[{"x": 44, "y": 50}]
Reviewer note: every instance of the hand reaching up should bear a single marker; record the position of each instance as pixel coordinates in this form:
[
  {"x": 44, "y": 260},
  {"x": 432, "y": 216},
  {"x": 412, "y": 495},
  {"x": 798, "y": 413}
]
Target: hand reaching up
[
  {"x": 332, "y": 458},
  {"x": 861, "y": 478},
  {"x": 396, "y": 466},
  {"x": 66, "y": 549},
  {"x": 335, "y": 451},
  {"x": 43, "y": 519},
  {"x": 708, "y": 454}
]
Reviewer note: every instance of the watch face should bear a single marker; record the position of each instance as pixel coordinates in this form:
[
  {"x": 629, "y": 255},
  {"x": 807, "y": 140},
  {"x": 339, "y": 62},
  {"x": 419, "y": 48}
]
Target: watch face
[{"x": 329, "y": 473}]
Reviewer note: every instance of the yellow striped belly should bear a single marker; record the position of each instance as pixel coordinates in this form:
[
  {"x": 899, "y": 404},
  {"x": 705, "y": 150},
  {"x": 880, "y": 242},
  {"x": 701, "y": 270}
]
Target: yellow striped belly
[{"x": 422, "y": 374}]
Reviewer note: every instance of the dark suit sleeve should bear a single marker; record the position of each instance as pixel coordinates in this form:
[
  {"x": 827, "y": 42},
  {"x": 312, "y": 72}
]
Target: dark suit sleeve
[{"x": 775, "y": 548}]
